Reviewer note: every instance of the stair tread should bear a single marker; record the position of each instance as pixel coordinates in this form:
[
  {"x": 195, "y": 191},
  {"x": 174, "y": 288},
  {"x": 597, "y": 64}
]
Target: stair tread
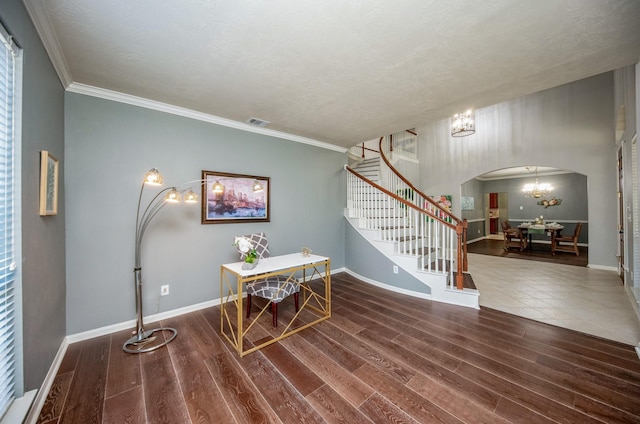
[
  {"x": 406, "y": 238},
  {"x": 467, "y": 280},
  {"x": 421, "y": 250}
]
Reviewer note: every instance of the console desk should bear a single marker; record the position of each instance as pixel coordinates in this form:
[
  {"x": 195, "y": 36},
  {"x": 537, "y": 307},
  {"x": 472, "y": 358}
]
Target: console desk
[{"x": 312, "y": 273}]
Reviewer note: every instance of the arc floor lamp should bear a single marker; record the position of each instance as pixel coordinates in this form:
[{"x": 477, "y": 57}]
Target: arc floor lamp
[{"x": 146, "y": 340}]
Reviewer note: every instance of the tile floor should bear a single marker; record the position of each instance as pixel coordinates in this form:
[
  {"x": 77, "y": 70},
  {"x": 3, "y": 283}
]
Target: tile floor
[{"x": 583, "y": 299}]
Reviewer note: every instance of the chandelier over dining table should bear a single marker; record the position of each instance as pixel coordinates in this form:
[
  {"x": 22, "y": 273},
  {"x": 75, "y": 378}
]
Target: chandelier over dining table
[{"x": 536, "y": 190}]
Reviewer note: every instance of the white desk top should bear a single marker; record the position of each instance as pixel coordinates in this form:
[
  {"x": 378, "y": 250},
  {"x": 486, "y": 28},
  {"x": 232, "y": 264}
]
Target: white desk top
[{"x": 275, "y": 263}]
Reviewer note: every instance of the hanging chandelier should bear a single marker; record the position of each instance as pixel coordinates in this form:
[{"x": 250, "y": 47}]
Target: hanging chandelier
[
  {"x": 536, "y": 190},
  {"x": 462, "y": 124}
]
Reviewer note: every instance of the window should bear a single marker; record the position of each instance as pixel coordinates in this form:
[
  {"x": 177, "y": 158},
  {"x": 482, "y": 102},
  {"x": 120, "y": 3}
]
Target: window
[{"x": 8, "y": 61}]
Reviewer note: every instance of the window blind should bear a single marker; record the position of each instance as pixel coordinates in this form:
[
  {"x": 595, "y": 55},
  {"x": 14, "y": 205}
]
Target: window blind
[{"x": 7, "y": 236}]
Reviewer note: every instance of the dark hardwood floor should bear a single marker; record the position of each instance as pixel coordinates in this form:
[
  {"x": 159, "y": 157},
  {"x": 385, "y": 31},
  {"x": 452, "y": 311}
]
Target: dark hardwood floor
[
  {"x": 537, "y": 252},
  {"x": 382, "y": 357}
]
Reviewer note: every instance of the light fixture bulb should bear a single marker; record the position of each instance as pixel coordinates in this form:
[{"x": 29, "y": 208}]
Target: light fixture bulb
[
  {"x": 257, "y": 187},
  {"x": 190, "y": 197},
  {"x": 153, "y": 177},
  {"x": 173, "y": 196},
  {"x": 217, "y": 187}
]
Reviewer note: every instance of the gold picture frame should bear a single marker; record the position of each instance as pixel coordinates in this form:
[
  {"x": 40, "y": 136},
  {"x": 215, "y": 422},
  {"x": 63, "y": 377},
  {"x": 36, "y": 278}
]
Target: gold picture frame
[{"x": 48, "y": 184}]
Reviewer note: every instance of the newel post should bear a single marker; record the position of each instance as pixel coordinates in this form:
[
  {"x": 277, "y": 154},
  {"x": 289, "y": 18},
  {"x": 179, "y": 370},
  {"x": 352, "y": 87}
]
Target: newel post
[
  {"x": 460, "y": 232},
  {"x": 465, "y": 262}
]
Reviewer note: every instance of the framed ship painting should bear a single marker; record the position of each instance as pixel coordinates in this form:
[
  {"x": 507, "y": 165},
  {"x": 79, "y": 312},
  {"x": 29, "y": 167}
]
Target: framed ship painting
[{"x": 233, "y": 198}]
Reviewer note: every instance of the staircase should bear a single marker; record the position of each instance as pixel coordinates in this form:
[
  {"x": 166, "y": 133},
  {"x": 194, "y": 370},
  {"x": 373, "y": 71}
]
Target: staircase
[{"x": 412, "y": 230}]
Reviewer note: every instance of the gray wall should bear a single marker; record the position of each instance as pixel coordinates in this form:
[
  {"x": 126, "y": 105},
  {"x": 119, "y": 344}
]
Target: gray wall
[
  {"x": 571, "y": 188},
  {"x": 473, "y": 188},
  {"x": 568, "y": 127},
  {"x": 364, "y": 259},
  {"x": 43, "y": 242},
  {"x": 109, "y": 147}
]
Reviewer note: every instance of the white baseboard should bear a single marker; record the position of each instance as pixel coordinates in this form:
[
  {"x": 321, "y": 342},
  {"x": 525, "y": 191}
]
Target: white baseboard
[
  {"x": 603, "y": 267},
  {"x": 90, "y": 334},
  {"x": 42, "y": 394},
  {"x": 41, "y": 397},
  {"x": 388, "y": 287}
]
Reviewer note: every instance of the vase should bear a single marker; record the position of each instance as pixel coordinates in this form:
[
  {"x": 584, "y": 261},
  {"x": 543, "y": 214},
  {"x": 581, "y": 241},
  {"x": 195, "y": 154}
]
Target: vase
[{"x": 250, "y": 265}]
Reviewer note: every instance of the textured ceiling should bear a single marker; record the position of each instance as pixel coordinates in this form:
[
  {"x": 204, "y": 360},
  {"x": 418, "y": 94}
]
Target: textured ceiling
[{"x": 335, "y": 71}]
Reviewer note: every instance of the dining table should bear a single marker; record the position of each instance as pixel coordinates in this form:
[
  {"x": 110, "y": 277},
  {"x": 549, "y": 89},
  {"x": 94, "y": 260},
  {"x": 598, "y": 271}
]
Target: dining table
[{"x": 527, "y": 229}]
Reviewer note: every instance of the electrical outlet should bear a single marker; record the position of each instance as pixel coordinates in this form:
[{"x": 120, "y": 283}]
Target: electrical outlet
[
  {"x": 395, "y": 269},
  {"x": 164, "y": 290}
]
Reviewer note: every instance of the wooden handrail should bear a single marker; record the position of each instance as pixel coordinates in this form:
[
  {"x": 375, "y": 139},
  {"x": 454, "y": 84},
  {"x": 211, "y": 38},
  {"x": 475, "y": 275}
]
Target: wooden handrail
[
  {"x": 364, "y": 148},
  {"x": 461, "y": 225},
  {"x": 400, "y": 199},
  {"x": 411, "y": 186}
]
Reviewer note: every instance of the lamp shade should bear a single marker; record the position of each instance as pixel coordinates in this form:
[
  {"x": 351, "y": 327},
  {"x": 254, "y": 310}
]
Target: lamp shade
[
  {"x": 173, "y": 196},
  {"x": 153, "y": 177},
  {"x": 190, "y": 197},
  {"x": 217, "y": 187}
]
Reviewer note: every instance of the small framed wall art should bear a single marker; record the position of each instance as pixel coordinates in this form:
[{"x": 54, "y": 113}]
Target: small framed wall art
[
  {"x": 467, "y": 203},
  {"x": 48, "y": 184},
  {"x": 233, "y": 198}
]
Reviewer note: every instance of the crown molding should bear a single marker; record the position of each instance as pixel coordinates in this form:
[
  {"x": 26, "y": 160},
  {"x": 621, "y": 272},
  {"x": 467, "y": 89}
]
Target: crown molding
[
  {"x": 40, "y": 19},
  {"x": 188, "y": 113},
  {"x": 38, "y": 13}
]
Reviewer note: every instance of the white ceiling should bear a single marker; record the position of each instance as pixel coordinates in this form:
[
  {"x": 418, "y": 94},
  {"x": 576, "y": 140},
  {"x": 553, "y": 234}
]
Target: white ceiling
[{"x": 334, "y": 71}]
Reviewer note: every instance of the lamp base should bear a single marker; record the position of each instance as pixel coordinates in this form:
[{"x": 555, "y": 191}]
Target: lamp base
[{"x": 144, "y": 342}]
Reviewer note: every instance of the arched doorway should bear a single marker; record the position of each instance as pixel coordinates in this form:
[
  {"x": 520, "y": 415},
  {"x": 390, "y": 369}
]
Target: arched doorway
[{"x": 569, "y": 296}]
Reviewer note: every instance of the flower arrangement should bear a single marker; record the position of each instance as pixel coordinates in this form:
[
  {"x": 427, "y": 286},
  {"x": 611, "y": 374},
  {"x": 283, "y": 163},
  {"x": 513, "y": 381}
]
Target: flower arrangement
[
  {"x": 553, "y": 202},
  {"x": 244, "y": 246}
]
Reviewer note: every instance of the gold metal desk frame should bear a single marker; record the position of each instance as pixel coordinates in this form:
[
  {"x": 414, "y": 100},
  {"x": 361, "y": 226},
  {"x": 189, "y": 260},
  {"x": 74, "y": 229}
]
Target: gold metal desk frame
[{"x": 313, "y": 300}]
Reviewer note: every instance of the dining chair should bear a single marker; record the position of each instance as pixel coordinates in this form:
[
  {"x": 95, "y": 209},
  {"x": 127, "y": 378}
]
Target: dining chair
[
  {"x": 274, "y": 288},
  {"x": 573, "y": 247},
  {"x": 513, "y": 237}
]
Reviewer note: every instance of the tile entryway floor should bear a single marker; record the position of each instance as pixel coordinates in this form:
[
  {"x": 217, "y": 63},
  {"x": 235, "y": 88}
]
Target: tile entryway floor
[{"x": 588, "y": 300}]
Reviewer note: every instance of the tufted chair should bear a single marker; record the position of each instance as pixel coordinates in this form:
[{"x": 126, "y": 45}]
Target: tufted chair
[{"x": 274, "y": 288}]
